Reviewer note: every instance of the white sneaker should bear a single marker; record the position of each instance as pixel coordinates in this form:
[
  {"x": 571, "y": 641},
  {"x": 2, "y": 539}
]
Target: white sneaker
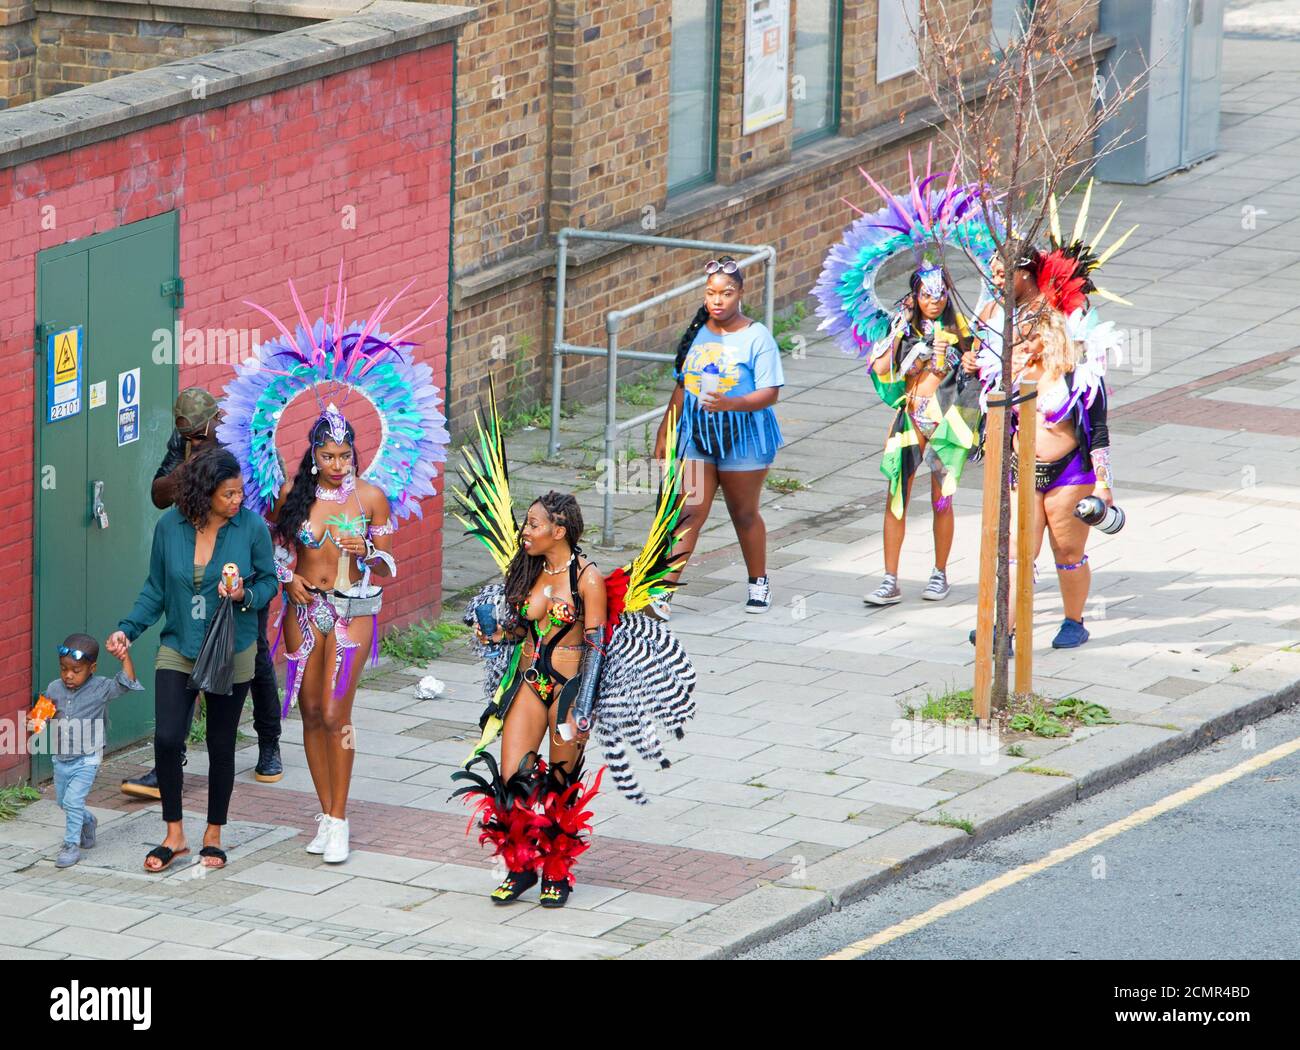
[
  {"x": 886, "y": 594},
  {"x": 937, "y": 589},
  {"x": 317, "y": 845},
  {"x": 336, "y": 846},
  {"x": 760, "y": 596}
]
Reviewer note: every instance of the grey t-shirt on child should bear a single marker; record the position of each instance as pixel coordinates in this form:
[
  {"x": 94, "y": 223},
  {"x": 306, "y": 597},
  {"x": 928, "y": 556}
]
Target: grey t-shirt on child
[{"x": 77, "y": 727}]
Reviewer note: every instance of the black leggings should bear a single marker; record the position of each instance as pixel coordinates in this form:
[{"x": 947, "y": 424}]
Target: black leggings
[
  {"x": 173, "y": 705},
  {"x": 266, "y": 692}
]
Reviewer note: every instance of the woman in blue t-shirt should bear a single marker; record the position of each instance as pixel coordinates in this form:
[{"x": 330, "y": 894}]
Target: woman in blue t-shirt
[{"x": 728, "y": 375}]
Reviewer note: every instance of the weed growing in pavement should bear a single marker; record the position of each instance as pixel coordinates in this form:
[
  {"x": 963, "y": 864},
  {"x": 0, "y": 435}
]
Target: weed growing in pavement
[
  {"x": 1045, "y": 717},
  {"x": 1016, "y": 751},
  {"x": 1043, "y": 771},
  {"x": 640, "y": 392},
  {"x": 785, "y": 485},
  {"x": 957, "y": 704},
  {"x": 1039, "y": 721},
  {"x": 199, "y": 724},
  {"x": 784, "y": 323},
  {"x": 14, "y": 799},
  {"x": 947, "y": 820},
  {"x": 1082, "y": 711},
  {"x": 420, "y": 642}
]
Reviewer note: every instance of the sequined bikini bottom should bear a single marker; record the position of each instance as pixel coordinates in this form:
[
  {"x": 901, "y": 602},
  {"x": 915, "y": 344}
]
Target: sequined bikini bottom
[{"x": 331, "y": 612}]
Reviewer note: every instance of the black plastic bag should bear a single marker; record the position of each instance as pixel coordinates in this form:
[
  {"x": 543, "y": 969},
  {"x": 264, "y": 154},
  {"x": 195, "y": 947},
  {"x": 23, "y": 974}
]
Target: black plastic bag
[{"x": 214, "y": 667}]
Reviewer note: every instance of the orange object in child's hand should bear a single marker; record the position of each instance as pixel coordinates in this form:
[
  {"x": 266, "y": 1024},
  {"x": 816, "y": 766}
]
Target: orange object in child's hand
[{"x": 41, "y": 713}]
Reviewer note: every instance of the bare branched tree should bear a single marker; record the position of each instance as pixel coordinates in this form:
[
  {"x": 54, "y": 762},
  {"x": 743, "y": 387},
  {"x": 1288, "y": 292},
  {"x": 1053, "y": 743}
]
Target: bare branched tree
[{"x": 1021, "y": 118}]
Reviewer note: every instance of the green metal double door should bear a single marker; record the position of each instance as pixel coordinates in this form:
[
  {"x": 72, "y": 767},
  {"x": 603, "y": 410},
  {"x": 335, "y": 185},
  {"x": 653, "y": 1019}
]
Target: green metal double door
[{"x": 105, "y": 306}]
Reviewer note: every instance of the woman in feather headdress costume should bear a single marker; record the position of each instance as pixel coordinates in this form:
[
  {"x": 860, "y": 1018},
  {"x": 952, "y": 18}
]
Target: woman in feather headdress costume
[
  {"x": 336, "y": 517},
  {"x": 915, "y": 350},
  {"x": 568, "y": 650},
  {"x": 1063, "y": 346}
]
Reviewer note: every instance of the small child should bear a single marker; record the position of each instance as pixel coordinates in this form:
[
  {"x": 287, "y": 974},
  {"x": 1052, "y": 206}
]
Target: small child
[{"x": 77, "y": 735}]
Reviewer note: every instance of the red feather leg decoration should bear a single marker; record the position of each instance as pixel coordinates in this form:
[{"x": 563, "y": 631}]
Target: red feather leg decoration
[
  {"x": 567, "y": 818},
  {"x": 507, "y": 814}
]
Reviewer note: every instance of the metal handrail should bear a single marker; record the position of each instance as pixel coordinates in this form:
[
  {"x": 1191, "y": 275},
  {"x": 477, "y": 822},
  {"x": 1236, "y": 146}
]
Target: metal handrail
[{"x": 614, "y": 319}]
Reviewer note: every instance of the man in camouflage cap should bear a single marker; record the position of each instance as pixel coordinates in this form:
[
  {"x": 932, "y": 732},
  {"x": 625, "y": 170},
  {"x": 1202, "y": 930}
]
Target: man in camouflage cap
[{"x": 197, "y": 414}]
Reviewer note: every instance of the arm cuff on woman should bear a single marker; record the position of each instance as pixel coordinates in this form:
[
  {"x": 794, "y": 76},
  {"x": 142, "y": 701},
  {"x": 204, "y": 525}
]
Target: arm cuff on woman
[{"x": 1101, "y": 467}]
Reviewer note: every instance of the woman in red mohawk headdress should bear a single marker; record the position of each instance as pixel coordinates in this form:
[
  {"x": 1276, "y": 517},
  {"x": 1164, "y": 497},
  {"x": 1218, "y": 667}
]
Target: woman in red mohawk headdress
[{"x": 1064, "y": 349}]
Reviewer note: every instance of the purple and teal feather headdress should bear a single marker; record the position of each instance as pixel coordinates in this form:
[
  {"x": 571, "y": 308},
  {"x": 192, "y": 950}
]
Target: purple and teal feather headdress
[
  {"x": 925, "y": 217},
  {"x": 332, "y": 362}
]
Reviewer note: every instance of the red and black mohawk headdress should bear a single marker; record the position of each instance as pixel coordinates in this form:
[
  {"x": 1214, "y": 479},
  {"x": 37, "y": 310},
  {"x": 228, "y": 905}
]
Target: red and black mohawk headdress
[{"x": 1064, "y": 273}]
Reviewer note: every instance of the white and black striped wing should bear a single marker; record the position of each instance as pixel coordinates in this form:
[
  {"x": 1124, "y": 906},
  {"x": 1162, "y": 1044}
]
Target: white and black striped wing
[{"x": 645, "y": 689}]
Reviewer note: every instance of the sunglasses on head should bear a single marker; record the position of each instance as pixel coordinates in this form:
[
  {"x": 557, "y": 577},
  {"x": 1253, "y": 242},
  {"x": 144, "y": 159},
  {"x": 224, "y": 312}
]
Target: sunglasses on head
[
  {"x": 721, "y": 266},
  {"x": 76, "y": 654}
]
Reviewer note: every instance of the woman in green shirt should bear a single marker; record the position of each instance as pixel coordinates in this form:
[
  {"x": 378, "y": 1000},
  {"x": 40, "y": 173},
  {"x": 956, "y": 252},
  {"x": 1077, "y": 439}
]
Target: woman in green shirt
[{"x": 206, "y": 529}]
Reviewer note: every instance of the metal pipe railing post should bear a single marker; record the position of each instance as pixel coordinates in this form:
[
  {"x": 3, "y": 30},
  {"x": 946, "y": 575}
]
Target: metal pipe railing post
[
  {"x": 765, "y": 253},
  {"x": 611, "y": 427},
  {"x": 769, "y": 289},
  {"x": 557, "y": 354}
]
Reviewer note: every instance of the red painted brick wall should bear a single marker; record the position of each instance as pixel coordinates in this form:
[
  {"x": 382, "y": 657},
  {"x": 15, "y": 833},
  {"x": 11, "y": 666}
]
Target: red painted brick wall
[{"x": 261, "y": 187}]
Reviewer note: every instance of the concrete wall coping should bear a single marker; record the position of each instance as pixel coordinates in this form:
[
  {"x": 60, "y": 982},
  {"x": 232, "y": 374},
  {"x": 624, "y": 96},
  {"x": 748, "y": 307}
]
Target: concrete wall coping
[
  {"x": 369, "y": 31},
  {"x": 316, "y": 11},
  {"x": 266, "y": 15}
]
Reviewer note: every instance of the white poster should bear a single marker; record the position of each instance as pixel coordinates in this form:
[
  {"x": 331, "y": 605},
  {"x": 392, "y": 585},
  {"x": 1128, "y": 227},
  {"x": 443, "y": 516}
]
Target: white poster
[
  {"x": 897, "y": 22},
  {"x": 767, "y": 40}
]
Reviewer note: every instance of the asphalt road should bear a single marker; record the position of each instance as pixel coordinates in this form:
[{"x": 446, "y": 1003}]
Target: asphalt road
[{"x": 1213, "y": 879}]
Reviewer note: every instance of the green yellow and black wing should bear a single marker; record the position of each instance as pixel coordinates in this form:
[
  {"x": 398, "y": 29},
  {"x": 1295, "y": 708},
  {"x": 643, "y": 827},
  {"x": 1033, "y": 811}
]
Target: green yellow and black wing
[
  {"x": 484, "y": 499},
  {"x": 635, "y": 585}
]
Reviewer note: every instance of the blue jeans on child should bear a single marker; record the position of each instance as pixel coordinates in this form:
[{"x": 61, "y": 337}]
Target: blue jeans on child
[{"x": 73, "y": 778}]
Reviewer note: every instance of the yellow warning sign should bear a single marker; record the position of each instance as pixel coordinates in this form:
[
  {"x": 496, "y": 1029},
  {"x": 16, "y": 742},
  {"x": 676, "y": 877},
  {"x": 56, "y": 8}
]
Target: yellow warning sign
[
  {"x": 66, "y": 356},
  {"x": 63, "y": 366}
]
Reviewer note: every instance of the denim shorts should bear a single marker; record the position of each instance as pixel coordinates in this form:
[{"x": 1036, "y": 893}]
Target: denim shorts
[{"x": 754, "y": 461}]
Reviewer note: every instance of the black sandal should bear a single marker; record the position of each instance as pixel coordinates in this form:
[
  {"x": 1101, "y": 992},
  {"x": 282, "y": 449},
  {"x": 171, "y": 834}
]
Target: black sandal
[
  {"x": 555, "y": 894},
  {"x": 513, "y": 886},
  {"x": 165, "y": 855},
  {"x": 213, "y": 851}
]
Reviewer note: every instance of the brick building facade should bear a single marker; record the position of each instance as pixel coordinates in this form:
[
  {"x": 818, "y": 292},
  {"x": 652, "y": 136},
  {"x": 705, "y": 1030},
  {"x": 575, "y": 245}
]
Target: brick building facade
[
  {"x": 588, "y": 148},
  {"x": 562, "y": 117},
  {"x": 259, "y": 173}
]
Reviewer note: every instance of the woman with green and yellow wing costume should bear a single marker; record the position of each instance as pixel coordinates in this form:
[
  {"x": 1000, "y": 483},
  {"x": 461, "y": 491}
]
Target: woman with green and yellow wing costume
[{"x": 567, "y": 650}]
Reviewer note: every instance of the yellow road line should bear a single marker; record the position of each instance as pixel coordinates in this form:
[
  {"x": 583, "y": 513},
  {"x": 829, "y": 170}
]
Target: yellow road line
[{"x": 1057, "y": 856}]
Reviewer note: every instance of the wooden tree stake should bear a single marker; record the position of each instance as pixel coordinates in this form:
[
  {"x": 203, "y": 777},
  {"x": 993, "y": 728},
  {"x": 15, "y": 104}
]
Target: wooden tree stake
[{"x": 993, "y": 482}]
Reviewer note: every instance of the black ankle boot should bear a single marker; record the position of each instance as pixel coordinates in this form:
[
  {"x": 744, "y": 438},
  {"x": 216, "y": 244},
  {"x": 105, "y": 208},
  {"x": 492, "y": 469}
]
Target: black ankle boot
[
  {"x": 514, "y": 885},
  {"x": 555, "y": 894},
  {"x": 269, "y": 769}
]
